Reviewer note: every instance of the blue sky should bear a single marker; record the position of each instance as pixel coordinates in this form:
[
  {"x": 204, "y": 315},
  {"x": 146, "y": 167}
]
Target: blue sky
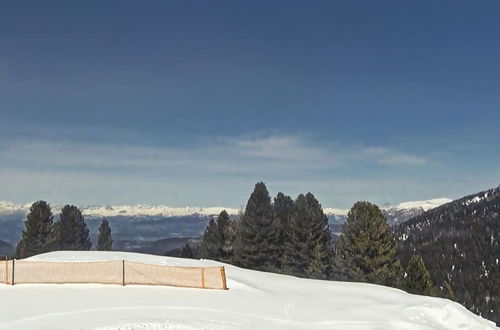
[{"x": 192, "y": 102}]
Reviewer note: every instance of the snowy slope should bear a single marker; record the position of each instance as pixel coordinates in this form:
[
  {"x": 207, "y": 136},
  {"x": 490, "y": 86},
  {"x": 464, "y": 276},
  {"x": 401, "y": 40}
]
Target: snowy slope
[{"x": 255, "y": 300}]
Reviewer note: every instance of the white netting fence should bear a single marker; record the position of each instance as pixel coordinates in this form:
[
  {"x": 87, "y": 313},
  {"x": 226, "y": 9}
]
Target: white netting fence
[{"x": 121, "y": 272}]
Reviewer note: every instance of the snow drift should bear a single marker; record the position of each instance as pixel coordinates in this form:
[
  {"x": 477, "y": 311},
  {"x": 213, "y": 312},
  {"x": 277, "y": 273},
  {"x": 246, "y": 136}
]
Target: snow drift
[{"x": 255, "y": 300}]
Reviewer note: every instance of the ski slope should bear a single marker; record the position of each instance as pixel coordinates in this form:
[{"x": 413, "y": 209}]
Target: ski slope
[{"x": 255, "y": 300}]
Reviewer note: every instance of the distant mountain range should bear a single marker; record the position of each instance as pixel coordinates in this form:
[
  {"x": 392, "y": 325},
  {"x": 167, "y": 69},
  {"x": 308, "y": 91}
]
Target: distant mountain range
[
  {"x": 136, "y": 211},
  {"x": 144, "y": 224}
]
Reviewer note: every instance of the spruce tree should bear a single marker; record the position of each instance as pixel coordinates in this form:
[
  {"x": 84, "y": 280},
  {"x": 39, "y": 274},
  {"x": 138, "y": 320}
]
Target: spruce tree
[
  {"x": 417, "y": 278},
  {"x": 366, "y": 251},
  {"x": 282, "y": 213},
  {"x": 104, "y": 240},
  {"x": 256, "y": 242},
  {"x": 230, "y": 231},
  {"x": 214, "y": 238},
  {"x": 448, "y": 291},
  {"x": 307, "y": 244},
  {"x": 72, "y": 230},
  {"x": 38, "y": 235},
  {"x": 211, "y": 243},
  {"x": 187, "y": 252}
]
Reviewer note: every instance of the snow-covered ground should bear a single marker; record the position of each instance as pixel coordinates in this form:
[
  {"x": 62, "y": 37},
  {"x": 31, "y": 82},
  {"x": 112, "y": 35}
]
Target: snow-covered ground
[{"x": 255, "y": 300}]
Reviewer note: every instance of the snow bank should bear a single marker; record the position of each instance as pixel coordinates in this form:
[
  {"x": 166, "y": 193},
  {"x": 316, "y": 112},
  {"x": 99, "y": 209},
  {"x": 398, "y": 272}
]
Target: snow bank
[{"x": 255, "y": 300}]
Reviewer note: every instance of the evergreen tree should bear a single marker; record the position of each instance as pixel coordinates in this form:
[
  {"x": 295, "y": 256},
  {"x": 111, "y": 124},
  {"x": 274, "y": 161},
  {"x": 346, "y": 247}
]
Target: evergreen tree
[
  {"x": 366, "y": 251},
  {"x": 448, "y": 291},
  {"x": 230, "y": 231},
  {"x": 72, "y": 230},
  {"x": 417, "y": 278},
  {"x": 256, "y": 241},
  {"x": 187, "y": 252},
  {"x": 38, "y": 235},
  {"x": 211, "y": 243},
  {"x": 214, "y": 238},
  {"x": 307, "y": 248},
  {"x": 104, "y": 240},
  {"x": 282, "y": 213}
]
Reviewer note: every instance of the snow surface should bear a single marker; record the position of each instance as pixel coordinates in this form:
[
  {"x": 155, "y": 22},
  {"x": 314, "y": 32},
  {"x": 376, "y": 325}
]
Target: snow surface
[{"x": 255, "y": 300}]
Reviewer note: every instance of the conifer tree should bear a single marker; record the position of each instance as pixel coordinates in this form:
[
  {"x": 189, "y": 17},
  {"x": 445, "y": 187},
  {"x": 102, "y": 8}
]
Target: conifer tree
[
  {"x": 366, "y": 251},
  {"x": 211, "y": 243},
  {"x": 307, "y": 241},
  {"x": 282, "y": 213},
  {"x": 256, "y": 241},
  {"x": 72, "y": 230},
  {"x": 230, "y": 231},
  {"x": 187, "y": 252},
  {"x": 104, "y": 240},
  {"x": 214, "y": 238},
  {"x": 418, "y": 279},
  {"x": 448, "y": 291},
  {"x": 38, "y": 235}
]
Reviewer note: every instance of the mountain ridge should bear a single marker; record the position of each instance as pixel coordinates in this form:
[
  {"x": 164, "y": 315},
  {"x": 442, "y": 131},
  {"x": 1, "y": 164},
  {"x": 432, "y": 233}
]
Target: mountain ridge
[
  {"x": 139, "y": 210},
  {"x": 460, "y": 244}
]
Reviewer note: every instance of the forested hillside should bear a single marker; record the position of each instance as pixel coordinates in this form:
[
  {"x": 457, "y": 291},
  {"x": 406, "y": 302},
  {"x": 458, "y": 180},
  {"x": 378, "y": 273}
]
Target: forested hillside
[{"x": 459, "y": 242}]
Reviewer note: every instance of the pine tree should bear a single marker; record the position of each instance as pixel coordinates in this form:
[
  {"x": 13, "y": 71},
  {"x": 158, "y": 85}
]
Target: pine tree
[
  {"x": 104, "y": 240},
  {"x": 214, "y": 238},
  {"x": 417, "y": 278},
  {"x": 211, "y": 243},
  {"x": 230, "y": 232},
  {"x": 72, "y": 230},
  {"x": 366, "y": 251},
  {"x": 187, "y": 252},
  {"x": 448, "y": 291},
  {"x": 38, "y": 235},
  {"x": 255, "y": 245},
  {"x": 307, "y": 251},
  {"x": 282, "y": 213}
]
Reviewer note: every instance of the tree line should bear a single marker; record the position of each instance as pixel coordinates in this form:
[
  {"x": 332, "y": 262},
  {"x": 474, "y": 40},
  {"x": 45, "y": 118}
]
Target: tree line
[
  {"x": 293, "y": 237},
  {"x": 281, "y": 235},
  {"x": 42, "y": 234}
]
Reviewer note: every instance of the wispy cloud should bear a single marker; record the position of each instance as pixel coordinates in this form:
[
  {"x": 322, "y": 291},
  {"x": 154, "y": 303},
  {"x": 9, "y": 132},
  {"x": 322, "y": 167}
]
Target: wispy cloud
[{"x": 383, "y": 156}]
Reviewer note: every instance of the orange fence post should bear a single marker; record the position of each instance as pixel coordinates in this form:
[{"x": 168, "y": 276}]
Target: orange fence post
[
  {"x": 223, "y": 276},
  {"x": 203, "y": 277}
]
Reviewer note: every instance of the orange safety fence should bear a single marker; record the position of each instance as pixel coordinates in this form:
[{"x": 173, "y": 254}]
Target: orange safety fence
[{"x": 121, "y": 272}]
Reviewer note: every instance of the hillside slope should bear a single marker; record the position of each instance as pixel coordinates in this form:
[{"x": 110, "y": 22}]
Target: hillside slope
[
  {"x": 460, "y": 243},
  {"x": 255, "y": 300}
]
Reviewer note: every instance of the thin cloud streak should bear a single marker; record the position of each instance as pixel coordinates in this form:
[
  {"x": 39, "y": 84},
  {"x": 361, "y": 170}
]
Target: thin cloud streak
[{"x": 383, "y": 156}]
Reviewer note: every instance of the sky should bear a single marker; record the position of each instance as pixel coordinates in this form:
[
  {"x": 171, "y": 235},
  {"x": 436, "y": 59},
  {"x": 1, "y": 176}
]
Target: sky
[{"x": 192, "y": 102}]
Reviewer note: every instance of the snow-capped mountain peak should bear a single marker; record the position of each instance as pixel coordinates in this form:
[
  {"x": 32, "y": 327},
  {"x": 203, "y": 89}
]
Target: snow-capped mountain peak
[
  {"x": 140, "y": 210},
  {"x": 425, "y": 205}
]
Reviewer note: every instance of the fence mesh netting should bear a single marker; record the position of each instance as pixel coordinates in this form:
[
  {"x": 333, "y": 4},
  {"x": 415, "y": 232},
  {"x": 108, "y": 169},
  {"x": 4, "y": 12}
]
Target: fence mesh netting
[{"x": 111, "y": 272}]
